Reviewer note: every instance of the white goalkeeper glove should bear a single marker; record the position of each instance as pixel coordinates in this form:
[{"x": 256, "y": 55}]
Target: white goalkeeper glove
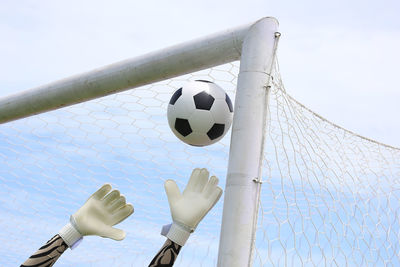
[
  {"x": 190, "y": 207},
  {"x": 97, "y": 216}
]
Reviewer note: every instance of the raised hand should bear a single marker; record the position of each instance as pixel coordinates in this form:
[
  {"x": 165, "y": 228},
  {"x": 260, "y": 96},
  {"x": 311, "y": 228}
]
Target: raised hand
[
  {"x": 190, "y": 207},
  {"x": 104, "y": 209}
]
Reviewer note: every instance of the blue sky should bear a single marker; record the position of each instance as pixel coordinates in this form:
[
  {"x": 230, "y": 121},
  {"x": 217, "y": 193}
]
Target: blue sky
[{"x": 338, "y": 58}]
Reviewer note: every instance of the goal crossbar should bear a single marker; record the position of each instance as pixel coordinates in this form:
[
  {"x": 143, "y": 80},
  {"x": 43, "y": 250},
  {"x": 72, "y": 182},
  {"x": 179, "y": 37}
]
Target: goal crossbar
[{"x": 195, "y": 55}]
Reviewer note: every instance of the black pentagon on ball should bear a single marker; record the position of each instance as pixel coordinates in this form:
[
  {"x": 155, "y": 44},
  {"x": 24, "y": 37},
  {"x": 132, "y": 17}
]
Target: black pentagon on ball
[
  {"x": 216, "y": 131},
  {"x": 228, "y": 102},
  {"x": 175, "y": 96},
  {"x": 183, "y": 126},
  {"x": 203, "y": 100}
]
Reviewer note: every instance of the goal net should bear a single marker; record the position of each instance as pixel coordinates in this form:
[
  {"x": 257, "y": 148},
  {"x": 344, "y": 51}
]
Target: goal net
[
  {"x": 329, "y": 197},
  {"x": 52, "y": 162}
]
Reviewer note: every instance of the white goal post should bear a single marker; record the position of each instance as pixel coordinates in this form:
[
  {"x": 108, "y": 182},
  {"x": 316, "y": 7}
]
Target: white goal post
[
  {"x": 243, "y": 182},
  {"x": 254, "y": 45}
]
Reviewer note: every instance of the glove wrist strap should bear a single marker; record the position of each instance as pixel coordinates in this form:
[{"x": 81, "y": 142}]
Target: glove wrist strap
[
  {"x": 179, "y": 233},
  {"x": 70, "y": 235}
]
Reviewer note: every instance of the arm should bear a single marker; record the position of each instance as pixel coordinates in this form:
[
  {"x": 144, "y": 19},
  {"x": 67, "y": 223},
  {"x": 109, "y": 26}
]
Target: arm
[
  {"x": 104, "y": 209},
  {"x": 48, "y": 254},
  {"x": 167, "y": 255},
  {"x": 187, "y": 210}
]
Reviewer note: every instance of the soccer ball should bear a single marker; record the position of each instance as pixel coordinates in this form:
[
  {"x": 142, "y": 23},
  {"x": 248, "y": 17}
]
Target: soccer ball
[{"x": 200, "y": 113}]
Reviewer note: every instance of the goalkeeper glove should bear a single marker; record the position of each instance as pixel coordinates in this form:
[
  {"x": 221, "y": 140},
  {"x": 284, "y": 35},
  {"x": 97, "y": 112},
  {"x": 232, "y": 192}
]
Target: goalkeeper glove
[
  {"x": 190, "y": 207},
  {"x": 101, "y": 211}
]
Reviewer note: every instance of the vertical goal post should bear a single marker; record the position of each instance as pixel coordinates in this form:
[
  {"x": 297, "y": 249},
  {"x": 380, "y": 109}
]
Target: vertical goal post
[
  {"x": 243, "y": 182},
  {"x": 254, "y": 44}
]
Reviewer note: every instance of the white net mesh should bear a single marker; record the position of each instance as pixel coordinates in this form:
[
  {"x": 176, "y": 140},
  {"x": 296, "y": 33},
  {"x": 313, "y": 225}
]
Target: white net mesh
[
  {"x": 51, "y": 163},
  {"x": 329, "y": 196}
]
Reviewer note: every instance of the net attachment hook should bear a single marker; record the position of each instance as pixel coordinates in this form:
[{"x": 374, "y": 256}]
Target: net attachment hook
[{"x": 257, "y": 180}]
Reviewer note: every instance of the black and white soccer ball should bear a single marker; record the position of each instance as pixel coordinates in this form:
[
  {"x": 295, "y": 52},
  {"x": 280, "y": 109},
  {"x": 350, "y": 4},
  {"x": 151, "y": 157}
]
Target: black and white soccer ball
[{"x": 200, "y": 113}]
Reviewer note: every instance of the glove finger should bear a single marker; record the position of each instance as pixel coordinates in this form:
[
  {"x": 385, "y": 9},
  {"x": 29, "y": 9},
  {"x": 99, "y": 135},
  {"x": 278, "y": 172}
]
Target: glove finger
[
  {"x": 214, "y": 197},
  {"x": 111, "y": 197},
  {"x": 99, "y": 194},
  {"x": 118, "y": 203},
  {"x": 210, "y": 186},
  {"x": 202, "y": 180},
  {"x": 212, "y": 200},
  {"x": 113, "y": 233},
  {"x": 191, "y": 185},
  {"x": 172, "y": 191},
  {"x": 122, "y": 213}
]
